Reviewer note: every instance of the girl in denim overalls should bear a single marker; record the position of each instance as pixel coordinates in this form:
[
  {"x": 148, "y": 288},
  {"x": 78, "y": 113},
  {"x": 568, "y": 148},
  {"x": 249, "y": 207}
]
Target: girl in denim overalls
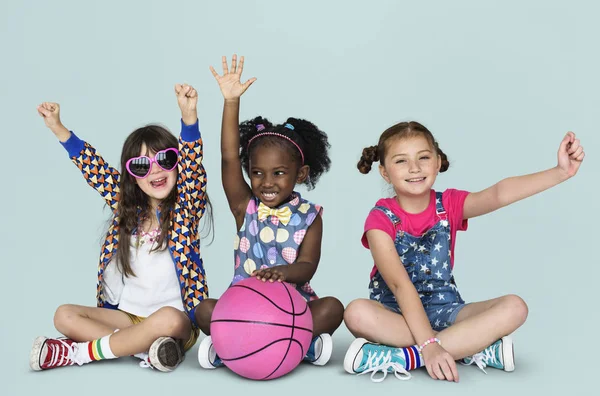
[{"x": 415, "y": 315}]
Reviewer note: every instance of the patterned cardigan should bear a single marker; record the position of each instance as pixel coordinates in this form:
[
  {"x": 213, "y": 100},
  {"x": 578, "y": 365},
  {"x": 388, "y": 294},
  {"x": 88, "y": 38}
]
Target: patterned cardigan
[{"x": 183, "y": 241}]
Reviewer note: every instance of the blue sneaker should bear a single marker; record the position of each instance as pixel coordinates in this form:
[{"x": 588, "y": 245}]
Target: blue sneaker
[
  {"x": 207, "y": 357},
  {"x": 320, "y": 350},
  {"x": 500, "y": 355},
  {"x": 365, "y": 357}
]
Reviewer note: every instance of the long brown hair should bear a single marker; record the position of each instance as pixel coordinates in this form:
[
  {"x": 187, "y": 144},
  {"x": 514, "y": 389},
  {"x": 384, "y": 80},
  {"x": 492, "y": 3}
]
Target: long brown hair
[
  {"x": 134, "y": 205},
  {"x": 401, "y": 130}
]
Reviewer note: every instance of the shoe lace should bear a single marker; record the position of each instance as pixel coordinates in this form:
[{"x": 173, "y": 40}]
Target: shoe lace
[
  {"x": 70, "y": 353},
  {"x": 382, "y": 362},
  {"x": 145, "y": 360},
  {"x": 484, "y": 358},
  {"x": 478, "y": 360}
]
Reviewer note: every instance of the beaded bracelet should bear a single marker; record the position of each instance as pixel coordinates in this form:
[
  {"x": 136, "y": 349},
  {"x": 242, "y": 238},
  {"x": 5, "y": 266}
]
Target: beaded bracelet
[{"x": 429, "y": 341}]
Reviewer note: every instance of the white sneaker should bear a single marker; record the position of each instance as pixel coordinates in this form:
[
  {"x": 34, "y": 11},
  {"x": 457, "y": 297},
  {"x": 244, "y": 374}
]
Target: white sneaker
[
  {"x": 165, "y": 354},
  {"x": 320, "y": 350},
  {"x": 207, "y": 357}
]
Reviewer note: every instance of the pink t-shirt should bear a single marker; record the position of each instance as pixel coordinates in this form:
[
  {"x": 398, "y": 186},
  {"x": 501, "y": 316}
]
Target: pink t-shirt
[{"x": 417, "y": 224}]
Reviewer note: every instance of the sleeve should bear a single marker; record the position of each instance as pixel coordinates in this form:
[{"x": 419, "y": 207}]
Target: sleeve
[
  {"x": 98, "y": 174},
  {"x": 454, "y": 202},
  {"x": 191, "y": 179},
  {"x": 377, "y": 220}
]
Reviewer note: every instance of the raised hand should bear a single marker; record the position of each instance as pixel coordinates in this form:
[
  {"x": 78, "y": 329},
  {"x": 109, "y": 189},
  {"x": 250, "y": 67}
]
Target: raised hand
[
  {"x": 50, "y": 112},
  {"x": 570, "y": 155},
  {"x": 187, "y": 99},
  {"x": 230, "y": 82}
]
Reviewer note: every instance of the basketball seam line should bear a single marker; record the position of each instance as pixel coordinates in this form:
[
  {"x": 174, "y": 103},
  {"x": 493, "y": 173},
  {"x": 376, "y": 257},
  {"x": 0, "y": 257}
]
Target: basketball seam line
[
  {"x": 291, "y": 335},
  {"x": 259, "y": 322},
  {"x": 272, "y": 302},
  {"x": 261, "y": 349}
]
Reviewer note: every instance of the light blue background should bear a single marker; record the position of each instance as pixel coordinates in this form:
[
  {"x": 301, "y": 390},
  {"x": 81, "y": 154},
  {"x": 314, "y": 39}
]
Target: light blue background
[{"x": 498, "y": 83}]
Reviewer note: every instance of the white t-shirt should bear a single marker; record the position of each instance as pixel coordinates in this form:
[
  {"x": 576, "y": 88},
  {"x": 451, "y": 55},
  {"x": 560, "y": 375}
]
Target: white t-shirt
[{"x": 155, "y": 284}]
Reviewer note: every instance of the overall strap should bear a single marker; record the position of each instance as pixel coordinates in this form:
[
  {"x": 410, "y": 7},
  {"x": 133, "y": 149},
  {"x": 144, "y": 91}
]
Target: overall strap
[{"x": 393, "y": 218}]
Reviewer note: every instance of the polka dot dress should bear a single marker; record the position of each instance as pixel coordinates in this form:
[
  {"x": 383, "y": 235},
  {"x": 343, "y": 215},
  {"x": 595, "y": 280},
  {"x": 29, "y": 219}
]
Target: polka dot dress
[{"x": 269, "y": 243}]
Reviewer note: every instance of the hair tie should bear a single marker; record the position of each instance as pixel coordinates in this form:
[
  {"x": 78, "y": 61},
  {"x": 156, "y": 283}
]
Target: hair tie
[
  {"x": 289, "y": 126},
  {"x": 260, "y": 127}
]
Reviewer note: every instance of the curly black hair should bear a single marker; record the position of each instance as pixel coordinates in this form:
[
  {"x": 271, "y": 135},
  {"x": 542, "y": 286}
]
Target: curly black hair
[{"x": 311, "y": 140}]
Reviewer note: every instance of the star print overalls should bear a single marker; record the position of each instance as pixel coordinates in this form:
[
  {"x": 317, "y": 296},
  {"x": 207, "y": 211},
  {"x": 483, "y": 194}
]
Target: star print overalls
[{"x": 426, "y": 259}]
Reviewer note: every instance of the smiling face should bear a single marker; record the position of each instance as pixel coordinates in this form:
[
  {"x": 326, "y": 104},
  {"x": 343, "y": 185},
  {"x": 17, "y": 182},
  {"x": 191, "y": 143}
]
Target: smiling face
[
  {"x": 274, "y": 174},
  {"x": 159, "y": 183},
  {"x": 411, "y": 165}
]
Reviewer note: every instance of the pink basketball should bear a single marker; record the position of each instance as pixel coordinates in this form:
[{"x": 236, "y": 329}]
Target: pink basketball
[{"x": 261, "y": 330}]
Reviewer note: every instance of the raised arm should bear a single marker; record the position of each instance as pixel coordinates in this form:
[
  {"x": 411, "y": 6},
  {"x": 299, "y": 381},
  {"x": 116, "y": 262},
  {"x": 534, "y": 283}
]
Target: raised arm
[
  {"x": 513, "y": 189},
  {"x": 98, "y": 174},
  {"x": 237, "y": 191},
  {"x": 191, "y": 180}
]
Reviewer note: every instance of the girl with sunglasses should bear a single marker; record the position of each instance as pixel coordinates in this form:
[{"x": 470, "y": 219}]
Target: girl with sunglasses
[{"x": 151, "y": 276}]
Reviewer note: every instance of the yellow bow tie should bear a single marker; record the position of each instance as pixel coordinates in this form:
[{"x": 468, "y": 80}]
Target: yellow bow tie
[{"x": 283, "y": 214}]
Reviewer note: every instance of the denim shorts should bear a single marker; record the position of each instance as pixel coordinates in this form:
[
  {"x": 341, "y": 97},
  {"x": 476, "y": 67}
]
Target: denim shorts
[{"x": 440, "y": 316}]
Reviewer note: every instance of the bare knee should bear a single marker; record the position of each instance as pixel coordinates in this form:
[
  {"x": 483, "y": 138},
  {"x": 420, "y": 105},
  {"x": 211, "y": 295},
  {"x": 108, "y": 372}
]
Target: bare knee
[
  {"x": 335, "y": 308},
  {"x": 330, "y": 307},
  {"x": 64, "y": 317},
  {"x": 169, "y": 321},
  {"x": 203, "y": 314},
  {"x": 516, "y": 309},
  {"x": 358, "y": 316},
  {"x": 327, "y": 314}
]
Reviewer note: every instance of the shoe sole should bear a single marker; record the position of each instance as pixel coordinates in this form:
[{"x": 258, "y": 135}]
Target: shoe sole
[
  {"x": 352, "y": 353},
  {"x": 165, "y": 356},
  {"x": 508, "y": 353},
  {"x": 326, "y": 350},
  {"x": 34, "y": 356},
  {"x": 203, "y": 357}
]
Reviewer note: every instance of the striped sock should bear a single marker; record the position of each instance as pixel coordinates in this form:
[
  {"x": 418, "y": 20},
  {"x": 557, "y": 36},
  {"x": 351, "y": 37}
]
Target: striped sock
[
  {"x": 413, "y": 360},
  {"x": 95, "y": 350}
]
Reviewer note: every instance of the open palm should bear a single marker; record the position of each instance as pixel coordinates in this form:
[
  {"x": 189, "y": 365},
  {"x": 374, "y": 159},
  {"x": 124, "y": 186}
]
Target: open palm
[{"x": 230, "y": 82}]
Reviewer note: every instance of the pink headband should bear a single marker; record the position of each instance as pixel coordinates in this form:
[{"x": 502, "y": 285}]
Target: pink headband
[{"x": 281, "y": 136}]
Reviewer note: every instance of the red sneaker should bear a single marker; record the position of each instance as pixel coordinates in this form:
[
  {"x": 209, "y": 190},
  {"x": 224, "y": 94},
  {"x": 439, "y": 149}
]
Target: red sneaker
[{"x": 48, "y": 353}]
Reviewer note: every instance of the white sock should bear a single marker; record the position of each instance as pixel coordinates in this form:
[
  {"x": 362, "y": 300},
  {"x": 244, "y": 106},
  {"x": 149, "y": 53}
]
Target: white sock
[{"x": 94, "y": 350}]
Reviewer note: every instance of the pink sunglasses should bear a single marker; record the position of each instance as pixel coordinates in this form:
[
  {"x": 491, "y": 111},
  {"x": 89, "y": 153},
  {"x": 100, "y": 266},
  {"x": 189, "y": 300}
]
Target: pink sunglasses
[{"x": 139, "y": 167}]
